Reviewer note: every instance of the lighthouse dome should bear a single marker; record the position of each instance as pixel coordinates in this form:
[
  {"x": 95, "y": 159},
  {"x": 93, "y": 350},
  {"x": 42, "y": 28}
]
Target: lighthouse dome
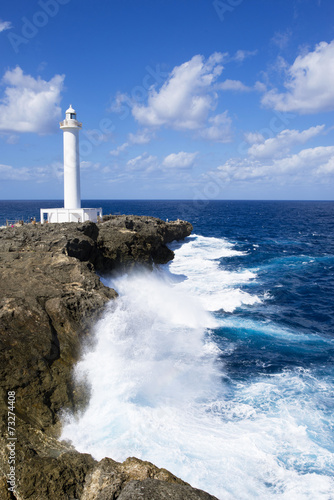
[{"x": 70, "y": 110}]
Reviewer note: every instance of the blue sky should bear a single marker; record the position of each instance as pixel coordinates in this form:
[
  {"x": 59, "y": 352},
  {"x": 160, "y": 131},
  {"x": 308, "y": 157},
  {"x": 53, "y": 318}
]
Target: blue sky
[{"x": 179, "y": 99}]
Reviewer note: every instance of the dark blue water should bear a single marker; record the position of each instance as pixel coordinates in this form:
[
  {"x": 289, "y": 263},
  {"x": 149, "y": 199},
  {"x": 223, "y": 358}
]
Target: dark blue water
[{"x": 276, "y": 352}]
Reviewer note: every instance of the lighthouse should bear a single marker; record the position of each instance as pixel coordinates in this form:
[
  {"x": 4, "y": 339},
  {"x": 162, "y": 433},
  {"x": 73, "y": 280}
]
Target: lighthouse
[
  {"x": 71, "y": 127},
  {"x": 72, "y": 211}
]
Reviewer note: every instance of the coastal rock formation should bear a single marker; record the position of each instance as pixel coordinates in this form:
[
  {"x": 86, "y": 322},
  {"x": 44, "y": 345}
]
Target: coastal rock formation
[
  {"x": 50, "y": 297},
  {"x": 123, "y": 241},
  {"x": 74, "y": 475}
]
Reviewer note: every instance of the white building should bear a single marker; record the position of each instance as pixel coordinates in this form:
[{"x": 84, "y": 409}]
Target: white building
[{"x": 72, "y": 211}]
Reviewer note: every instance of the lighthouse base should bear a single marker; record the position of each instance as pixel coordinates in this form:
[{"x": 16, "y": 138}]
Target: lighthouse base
[{"x": 58, "y": 215}]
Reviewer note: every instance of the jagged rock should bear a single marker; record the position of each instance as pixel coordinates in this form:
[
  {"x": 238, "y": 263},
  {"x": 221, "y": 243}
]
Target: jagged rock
[
  {"x": 74, "y": 475},
  {"x": 60, "y": 478},
  {"x": 50, "y": 297},
  {"x": 159, "y": 490},
  {"x": 126, "y": 240},
  {"x": 119, "y": 242},
  {"x": 135, "y": 479},
  {"x": 47, "y": 305}
]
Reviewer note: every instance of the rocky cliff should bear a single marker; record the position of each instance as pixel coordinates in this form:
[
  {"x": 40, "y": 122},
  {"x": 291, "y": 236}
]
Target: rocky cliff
[{"x": 50, "y": 296}]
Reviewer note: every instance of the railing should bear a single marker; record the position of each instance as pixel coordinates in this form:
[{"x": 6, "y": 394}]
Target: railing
[
  {"x": 70, "y": 123},
  {"x": 19, "y": 222}
]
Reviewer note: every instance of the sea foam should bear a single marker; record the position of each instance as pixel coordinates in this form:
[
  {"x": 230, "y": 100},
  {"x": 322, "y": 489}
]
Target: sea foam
[
  {"x": 159, "y": 390},
  {"x": 218, "y": 289}
]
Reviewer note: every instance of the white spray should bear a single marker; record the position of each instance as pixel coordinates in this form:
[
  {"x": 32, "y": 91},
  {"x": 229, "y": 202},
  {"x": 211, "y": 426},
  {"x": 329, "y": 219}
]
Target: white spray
[{"x": 157, "y": 390}]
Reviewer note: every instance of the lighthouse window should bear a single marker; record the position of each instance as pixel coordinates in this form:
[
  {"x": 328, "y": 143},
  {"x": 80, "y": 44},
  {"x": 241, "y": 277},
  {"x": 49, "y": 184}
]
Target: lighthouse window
[{"x": 72, "y": 116}]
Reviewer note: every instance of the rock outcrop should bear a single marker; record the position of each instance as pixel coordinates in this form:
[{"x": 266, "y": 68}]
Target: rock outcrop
[{"x": 50, "y": 296}]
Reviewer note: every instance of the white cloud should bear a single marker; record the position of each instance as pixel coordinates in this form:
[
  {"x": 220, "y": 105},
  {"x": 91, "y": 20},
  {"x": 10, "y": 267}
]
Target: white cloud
[
  {"x": 56, "y": 170},
  {"x": 141, "y": 137},
  {"x": 307, "y": 164},
  {"x": 5, "y": 25},
  {"x": 37, "y": 174},
  {"x": 326, "y": 167},
  {"x": 118, "y": 104},
  {"x": 272, "y": 161},
  {"x": 144, "y": 162},
  {"x": 185, "y": 99},
  {"x": 89, "y": 165},
  {"x": 281, "y": 144},
  {"x": 241, "y": 55},
  {"x": 180, "y": 160},
  {"x": 29, "y": 104},
  {"x": 281, "y": 39},
  {"x": 8, "y": 172},
  {"x": 188, "y": 99},
  {"x": 312, "y": 158},
  {"x": 219, "y": 129},
  {"x": 254, "y": 137},
  {"x": 236, "y": 85},
  {"x": 309, "y": 83},
  {"x": 260, "y": 87},
  {"x": 119, "y": 149}
]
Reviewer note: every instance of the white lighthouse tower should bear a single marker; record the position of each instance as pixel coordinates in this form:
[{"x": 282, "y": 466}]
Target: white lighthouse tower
[
  {"x": 70, "y": 127},
  {"x": 72, "y": 211}
]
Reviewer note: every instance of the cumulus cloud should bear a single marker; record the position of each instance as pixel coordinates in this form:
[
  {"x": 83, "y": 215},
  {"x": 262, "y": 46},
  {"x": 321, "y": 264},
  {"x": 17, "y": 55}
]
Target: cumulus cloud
[
  {"x": 37, "y": 174},
  {"x": 29, "y": 104},
  {"x": 281, "y": 144},
  {"x": 144, "y": 162},
  {"x": 186, "y": 98},
  {"x": 118, "y": 102},
  {"x": 236, "y": 85},
  {"x": 179, "y": 160},
  {"x": 275, "y": 161},
  {"x": 5, "y": 25},
  {"x": 309, "y": 83},
  {"x": 141, "y": 137},
  {"x": 260, "y": 87},
  {"x": 241, "y": 55},
  {"x": 89, "y": 165},
  {"x": 9, "y": 173},
  {"x": 254, "y": 137},
  {"x": 119, "y": 149},
  {"x": 311, "y": 163},
  {"x": 327, "y": 167},
  {"x": 218, "y": 129}
]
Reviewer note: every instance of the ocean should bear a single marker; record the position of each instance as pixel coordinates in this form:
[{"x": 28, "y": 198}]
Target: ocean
[{"x": 219, "y": 366}]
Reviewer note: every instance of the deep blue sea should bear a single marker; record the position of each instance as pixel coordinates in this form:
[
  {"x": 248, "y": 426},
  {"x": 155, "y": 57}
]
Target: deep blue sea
[{"x": 220, "y": 365}]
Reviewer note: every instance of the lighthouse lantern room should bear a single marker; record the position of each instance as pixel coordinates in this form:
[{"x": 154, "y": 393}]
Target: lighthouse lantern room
[{"x": 72, "y": 211}]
